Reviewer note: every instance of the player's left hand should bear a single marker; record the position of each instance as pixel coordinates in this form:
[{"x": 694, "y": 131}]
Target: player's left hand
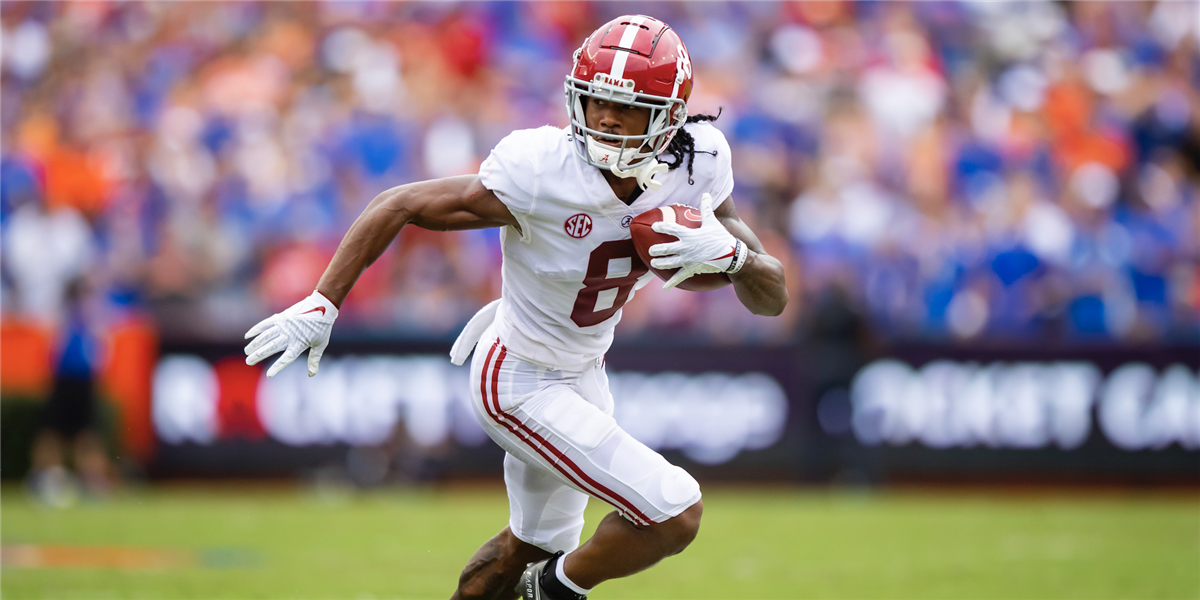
[
  {"x": 305, "y": 325},
  {"x": 709, "y": 248}
]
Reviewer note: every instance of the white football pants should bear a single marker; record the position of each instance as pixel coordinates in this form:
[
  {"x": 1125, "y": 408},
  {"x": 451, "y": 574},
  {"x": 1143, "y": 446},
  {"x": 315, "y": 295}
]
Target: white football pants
[{"x": 563, "y": 445}]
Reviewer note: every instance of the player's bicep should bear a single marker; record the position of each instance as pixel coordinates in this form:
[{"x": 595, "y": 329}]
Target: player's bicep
[
  {"x": 457, "y": 203},
  {"x": 727, "y": 214}
]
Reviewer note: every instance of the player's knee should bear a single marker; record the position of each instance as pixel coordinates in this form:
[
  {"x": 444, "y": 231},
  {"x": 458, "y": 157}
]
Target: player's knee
[{"x": 684, "y": 527}]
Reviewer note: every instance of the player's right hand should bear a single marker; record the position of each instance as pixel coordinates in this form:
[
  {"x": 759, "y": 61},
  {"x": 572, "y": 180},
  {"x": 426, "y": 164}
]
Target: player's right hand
[
  {"x": 305, "y": 325},
  {"x": 709, "y": 248}
]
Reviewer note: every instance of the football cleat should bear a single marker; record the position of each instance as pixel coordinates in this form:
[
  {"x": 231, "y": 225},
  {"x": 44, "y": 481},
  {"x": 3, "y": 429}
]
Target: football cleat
[{"x": 531, "y": 586}]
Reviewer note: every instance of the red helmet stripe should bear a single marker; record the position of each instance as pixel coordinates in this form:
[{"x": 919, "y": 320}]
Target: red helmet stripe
[
  {"x": 631, "y": 31},
  {"x": 627, "y": 37},
  {"x": 618, "y": 67}
]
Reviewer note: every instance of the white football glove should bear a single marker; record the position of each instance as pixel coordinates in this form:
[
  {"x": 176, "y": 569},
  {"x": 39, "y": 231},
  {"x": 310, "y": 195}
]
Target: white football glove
[
  {"x": 305, "y": 325},
  {"x": 707, "y": 249}
]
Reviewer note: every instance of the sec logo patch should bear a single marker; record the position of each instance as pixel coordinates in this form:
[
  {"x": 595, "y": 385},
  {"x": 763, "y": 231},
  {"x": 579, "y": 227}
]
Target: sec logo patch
[{"x": 578, "y": 226}]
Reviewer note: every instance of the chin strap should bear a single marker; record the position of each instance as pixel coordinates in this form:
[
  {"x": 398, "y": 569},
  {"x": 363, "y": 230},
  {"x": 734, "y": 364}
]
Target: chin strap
[
  {"x": 644, "y": 172},
  {"x": 608, "y": 157}
]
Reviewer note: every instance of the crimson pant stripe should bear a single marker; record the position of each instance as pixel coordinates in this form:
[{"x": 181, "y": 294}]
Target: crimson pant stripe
[
  {"x": 592, "y": 485},
  {"x": 508, "y": 421},
  {"x": 504, "y": 419}
]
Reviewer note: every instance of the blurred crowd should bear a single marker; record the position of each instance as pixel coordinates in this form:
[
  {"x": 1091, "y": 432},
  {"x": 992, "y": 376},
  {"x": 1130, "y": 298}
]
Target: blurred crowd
[{"x": 1024, "y": 171}]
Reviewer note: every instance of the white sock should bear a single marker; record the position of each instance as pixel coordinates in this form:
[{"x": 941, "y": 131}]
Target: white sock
[{"x": 562, "y": 576}]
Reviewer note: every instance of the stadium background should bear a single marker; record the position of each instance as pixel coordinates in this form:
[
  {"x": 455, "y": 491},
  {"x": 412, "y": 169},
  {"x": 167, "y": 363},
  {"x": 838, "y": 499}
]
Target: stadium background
[{"x": 989, "y": 214}]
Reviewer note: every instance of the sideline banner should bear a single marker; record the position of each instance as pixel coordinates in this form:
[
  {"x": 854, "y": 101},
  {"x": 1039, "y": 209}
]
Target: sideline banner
[
  {"x": 929, "y": 413},
  {"x": 791, "y": 414}
]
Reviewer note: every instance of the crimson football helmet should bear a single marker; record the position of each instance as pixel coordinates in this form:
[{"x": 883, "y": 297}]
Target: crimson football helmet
[{"x": 638, "y": 61}]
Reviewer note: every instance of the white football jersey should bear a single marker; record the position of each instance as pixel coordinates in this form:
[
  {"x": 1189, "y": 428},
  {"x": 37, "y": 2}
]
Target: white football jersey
[{"x": 572, "y": 267}]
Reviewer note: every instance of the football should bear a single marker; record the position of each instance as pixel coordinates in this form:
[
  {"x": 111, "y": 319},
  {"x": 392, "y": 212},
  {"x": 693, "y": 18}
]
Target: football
[{"x": 644, "y": 236}]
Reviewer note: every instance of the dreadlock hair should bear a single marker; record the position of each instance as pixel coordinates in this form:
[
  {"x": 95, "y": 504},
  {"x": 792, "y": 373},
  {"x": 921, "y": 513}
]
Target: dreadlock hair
[{"x": 683, "y": 144}]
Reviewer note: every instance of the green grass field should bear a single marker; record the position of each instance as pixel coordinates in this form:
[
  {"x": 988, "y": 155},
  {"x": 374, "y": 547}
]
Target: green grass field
[{"x": 754, "y": 544}]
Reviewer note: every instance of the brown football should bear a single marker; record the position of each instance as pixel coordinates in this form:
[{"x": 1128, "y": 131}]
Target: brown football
[{"x": 644, "y": 237}]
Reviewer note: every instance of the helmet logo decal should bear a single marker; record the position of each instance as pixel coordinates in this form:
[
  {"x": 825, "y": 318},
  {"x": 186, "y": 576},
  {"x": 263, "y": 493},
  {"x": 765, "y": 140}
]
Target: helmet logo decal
[
  {"x": 683, "y": 64},
  {"x": 578, "y": 226}
]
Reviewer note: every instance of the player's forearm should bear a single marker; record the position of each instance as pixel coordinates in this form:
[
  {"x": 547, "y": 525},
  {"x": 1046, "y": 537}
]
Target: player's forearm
[
  {"x": 365, "y": 241},
  {"x": 760, "y": 285},
  {"x": 448, "y": 204}
]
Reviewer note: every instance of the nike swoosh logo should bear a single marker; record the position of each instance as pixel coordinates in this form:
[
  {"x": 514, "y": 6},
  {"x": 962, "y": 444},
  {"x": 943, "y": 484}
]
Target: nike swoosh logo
[
  {"x": 732, "y": 251},
  {"x": 692, "y": 215},
  {"x": 322, "y": 309}
]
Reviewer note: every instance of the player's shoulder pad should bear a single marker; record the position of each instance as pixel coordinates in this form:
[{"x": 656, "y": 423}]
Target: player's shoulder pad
[
  {"x": 517, "y": 161},
  {"x": 530, "y": 143},
  {"x": 514, "y": 169}
]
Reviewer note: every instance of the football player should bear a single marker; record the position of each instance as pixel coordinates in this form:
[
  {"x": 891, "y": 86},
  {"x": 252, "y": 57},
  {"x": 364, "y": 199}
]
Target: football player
[{"x": 563, "y": 200}]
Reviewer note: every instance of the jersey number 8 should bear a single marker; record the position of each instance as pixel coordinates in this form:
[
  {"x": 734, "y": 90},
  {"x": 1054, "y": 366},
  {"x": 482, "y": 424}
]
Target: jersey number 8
[{"x": 597, "y": 280}]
